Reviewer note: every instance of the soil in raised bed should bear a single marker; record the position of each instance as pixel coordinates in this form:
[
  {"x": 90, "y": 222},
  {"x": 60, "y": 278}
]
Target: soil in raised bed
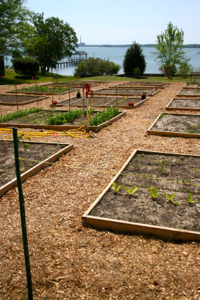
[
  {"x": 19, "y": 99},
  {"x": 185, "y": 103},
  {"x": 178, "y": 123},
  {"x": 101, "y": 101},
  {"x": 189, "y": 93},
  {"x": 27, "y": 151},
  {"x": 170, "y": 174},
  {"x": 124, "y": 91}
]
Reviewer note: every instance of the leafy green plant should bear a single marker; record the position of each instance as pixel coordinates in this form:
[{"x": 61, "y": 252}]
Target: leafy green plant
[
  {"x": 153, "y": 192},
  {"x": 131, "y": 191},
  {"x": 26, "y": 146},
  {"x": 104, "y": 116},
  {"x": 18, "y": 114},
  {"x": 190, "y": 201},
  {"x": 115, "y": 187},
  {"x": 170, "y": 198}
]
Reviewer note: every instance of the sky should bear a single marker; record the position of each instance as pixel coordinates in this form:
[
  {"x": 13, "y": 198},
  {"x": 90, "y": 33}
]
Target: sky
[{"x": 123, "y": 21}]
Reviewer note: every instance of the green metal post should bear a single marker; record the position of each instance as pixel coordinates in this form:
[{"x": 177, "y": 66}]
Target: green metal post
[{"x": 22, "y": 213}]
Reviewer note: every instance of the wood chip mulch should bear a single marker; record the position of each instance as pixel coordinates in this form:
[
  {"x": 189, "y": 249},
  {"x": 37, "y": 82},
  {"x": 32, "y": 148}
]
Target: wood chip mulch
[{"x": 69, "y": 261}]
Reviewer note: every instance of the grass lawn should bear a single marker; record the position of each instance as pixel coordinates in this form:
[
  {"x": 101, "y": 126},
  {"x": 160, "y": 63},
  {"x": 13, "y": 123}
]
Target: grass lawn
[{"x": 10, "y": 78}]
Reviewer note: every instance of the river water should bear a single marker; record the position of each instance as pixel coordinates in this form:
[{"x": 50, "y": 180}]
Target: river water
[{"x": 116, "y": 54}]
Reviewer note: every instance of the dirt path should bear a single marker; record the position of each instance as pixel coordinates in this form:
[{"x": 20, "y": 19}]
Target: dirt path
[{"x": 69, "y": 261}]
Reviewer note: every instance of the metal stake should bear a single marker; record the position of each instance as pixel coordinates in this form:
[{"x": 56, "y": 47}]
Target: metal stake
[{"x": 22, "y": 214}]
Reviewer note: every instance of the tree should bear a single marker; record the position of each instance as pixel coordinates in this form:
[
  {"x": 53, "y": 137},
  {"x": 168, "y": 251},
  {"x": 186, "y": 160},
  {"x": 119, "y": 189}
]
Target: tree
[
  {"x": 14, "y": 25},
  {"x": 169, "y": 49},
  {"x": 134, "y": 58},
  {"x": 51, "y": 41}
]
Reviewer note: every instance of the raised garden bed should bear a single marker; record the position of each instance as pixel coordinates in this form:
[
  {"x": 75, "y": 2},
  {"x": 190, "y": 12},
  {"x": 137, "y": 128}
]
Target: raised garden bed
[
  {"x": 122, "y": 102},
  {"x": 38, "y": 120},
  {"x": 192, "y": 86},
  {"x": 136, "y": 87},
  {"x": 43, "y": 90},
  {"x": 29, "y": 151},
  {"x": 184, "y": 104},
  {"x": 183, "y": 125},
  {"x": 189, "y": 93},
  {"x": 72, "y": 84},
  {"x": 123, "y": 92},
  {"x": 152, "y": 209},
  {"x": 13, "y": 100}
]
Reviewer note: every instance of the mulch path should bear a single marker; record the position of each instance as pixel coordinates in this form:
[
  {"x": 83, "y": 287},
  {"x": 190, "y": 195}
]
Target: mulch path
[{"x": 69, "y": 261}]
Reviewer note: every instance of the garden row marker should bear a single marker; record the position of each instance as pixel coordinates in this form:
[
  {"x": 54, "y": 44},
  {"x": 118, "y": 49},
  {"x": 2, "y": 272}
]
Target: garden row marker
[{"x": 22, "y": 214}]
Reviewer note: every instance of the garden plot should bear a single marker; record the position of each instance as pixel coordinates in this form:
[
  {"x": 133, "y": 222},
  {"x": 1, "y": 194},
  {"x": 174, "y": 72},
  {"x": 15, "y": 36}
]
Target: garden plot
[
  {"x": 72, "y": 84},
  {"x": 192, "y": 86},
  {"x": 60, "y": 120},
  {"x": 183, "y": 125},
  {"x": 124, "y": 92},
  {"x": 184, "y": 104},
  {"x": 43, "y": 90},
  {"x": 154, "y": 193},
  {"x": 12, "y": 100},
  {"x": 189, "y": 93},
  {"x": 30, "y": 152},
  {"x": 136, "y": 87},
  {"x": 123, "y": 102}
]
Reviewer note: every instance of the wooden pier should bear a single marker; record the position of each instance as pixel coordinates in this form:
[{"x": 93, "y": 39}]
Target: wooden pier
[{"x": 75, "y": 59}]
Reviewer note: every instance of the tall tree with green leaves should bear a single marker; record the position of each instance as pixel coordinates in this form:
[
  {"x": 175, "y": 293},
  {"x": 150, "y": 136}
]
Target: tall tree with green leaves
[
  {"x": 134, "y": 59},
  {"x": 169, "y": 46},
  {"x": 51, "y": 41},
  {"x": 14, "y": 25}
]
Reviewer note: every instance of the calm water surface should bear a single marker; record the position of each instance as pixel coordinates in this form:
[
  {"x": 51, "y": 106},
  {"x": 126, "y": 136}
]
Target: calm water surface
[{"x": 116, "y": 54}]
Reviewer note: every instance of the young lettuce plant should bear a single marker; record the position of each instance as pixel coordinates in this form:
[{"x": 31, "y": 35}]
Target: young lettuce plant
[
  {"x": 131, "y": 191},
  {"x": 170, "y": 198},
  {"x": 190, "y": 199},
  {"x": 153, "y": 192},
  {"x": 115, "y": 187}
]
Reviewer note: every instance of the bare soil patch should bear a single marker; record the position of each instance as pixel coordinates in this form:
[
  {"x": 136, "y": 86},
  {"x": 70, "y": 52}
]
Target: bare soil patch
[
  {"x": 189, "y": 93},
  {"x": 177, "y": 123},
  {"x": 124, "y": 92},
  {"x": 31, "y": 153},
  {"x": 193, "y": 104},
  {"x": 19, "y": 99},
  {"x": 101, "y": 101}
]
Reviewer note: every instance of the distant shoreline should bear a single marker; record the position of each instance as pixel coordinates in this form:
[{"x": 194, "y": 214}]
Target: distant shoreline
[{"x": 142, "y": 45}]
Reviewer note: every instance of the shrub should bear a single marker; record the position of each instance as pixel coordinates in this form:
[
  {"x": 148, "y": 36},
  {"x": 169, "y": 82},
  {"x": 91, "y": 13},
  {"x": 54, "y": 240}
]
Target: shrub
[
  {"x": 96, "y": 67},
  {"x": 184, "y": 70},
  {"x": 27, "y": 66},
  {"x": 137, "y": 72}
]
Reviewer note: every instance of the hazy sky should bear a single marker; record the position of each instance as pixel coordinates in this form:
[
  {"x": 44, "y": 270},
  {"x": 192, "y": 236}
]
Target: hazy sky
[{"x": 123, "y": 21}]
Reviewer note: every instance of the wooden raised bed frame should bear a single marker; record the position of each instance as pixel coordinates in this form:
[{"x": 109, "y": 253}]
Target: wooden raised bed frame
[
  {"x": 73, "y": 104},
  {"x": 180, "y": 108},
  {"x": 36, "y": 168},
  {"x": 98, "y": 92},
  {"x": 64, "y": 127},
  {"x": 171, "y": 133},
  {"x": 137, "y": 228},
  {"x": 185, "y": 95},
  {"x": 22, "y": 103}
]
